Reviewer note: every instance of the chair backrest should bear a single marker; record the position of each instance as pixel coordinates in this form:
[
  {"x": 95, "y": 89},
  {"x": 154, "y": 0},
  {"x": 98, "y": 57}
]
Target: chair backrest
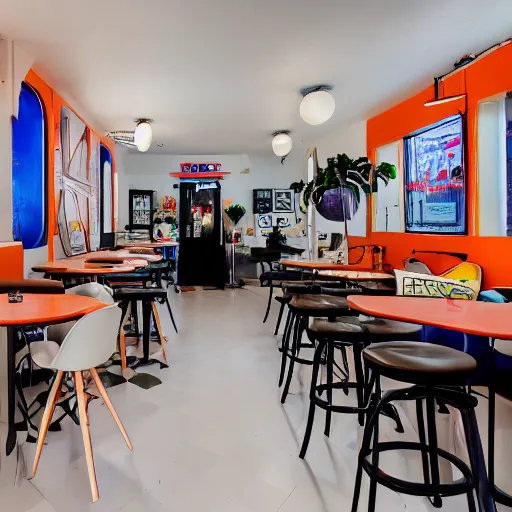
[
  {"x": 94, "y": 290},
  {"x": 90, "y": 342}
]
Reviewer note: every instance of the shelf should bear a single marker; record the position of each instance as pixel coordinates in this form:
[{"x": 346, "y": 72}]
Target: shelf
[{"x": 198, "y": 175}]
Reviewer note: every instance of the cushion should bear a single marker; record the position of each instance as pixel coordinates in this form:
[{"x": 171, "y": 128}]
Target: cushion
[
  {"x": 426, "y": 285},
  {"x": 364, "y": 326},
  {"x": 319, "y": 303},
  {"x": 416, "y": 357}
]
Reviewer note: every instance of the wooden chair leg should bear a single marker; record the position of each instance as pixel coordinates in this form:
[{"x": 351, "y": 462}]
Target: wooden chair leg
[
  {"x": 108, "y": 403},
  {"x": 53, "y": 397},
  {"x": 86, "y": 435},
  {"x": 163, "y": 339}
]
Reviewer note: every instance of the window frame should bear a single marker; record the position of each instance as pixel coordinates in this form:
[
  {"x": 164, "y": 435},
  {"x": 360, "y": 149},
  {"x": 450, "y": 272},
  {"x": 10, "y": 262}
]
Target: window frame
[
  {"x": 45, "y": 153},
  {"x": 406, "y": 167}
]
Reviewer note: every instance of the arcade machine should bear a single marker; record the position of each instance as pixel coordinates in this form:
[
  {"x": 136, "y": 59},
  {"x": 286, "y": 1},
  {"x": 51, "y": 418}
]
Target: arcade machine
[{"x": 202, "y": 257}]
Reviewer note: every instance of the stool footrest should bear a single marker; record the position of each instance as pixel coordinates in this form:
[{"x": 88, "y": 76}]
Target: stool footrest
[{"x": 461, "y": 486}]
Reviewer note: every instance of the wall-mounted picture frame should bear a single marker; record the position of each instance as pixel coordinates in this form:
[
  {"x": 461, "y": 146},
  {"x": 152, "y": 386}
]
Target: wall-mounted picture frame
[
  {"x": 262, "y": 200},
  {"x": 264, "y": 221},
  {"x": 283, "y": 220},
  {"x": 283, "y": 200}
]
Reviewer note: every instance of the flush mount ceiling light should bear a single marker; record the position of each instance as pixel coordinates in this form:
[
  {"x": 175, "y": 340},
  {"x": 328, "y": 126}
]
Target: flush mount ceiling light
[
  {"x": 139, "y": 138},
  {"x": 317, "y": 105},
  {"x": 282, "y": 144},
  {"x": 446, "y": 99},
  {"x": 143, "y": 134}
]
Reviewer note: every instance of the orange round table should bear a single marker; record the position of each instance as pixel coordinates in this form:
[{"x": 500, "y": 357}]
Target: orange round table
[
  {"x": 80, "y": 267},
  {"x": 469, "y": 317},
  {"x": 35, "y": 310}
]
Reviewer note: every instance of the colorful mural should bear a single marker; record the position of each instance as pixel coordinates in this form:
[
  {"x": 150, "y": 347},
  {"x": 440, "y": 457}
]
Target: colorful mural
[{"x": 77, "y": 184}]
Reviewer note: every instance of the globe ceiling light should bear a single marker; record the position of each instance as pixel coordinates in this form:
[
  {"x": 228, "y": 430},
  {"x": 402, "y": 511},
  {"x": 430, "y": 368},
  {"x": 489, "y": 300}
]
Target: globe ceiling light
[
  {"x": 143, "y": 135},
  {"x": 282, "y": 143},
  {"x": 318, "y": 105}
]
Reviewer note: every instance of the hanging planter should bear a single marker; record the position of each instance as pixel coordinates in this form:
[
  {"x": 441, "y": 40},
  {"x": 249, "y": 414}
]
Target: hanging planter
[
  {"x": 337, "y": 204},
  {"x": 336, "y": 190}
]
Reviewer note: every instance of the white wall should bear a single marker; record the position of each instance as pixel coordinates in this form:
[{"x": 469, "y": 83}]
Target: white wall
[
  {"x": 146, "y": 171},
  {"x": 352, "y": 141}
]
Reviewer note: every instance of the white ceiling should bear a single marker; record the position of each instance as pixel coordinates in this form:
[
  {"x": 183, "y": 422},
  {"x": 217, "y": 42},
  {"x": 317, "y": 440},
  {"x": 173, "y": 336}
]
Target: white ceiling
[{"x": 219, "y": 76}]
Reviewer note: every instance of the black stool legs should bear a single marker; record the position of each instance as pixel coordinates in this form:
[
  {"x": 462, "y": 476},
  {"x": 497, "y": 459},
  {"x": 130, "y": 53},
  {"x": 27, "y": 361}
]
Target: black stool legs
[
  {"x": 431, "y": 487},
  {"x": 317, "y": 389}
]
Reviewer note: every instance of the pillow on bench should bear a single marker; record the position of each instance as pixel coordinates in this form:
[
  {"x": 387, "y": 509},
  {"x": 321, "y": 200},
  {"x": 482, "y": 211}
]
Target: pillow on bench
[{"x": 413, "y": 284}]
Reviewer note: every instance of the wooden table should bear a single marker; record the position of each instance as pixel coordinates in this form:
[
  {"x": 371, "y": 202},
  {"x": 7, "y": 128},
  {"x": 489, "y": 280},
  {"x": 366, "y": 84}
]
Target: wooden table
[
  {"x": 35, "y": 310},
  {"x": 121, "y": 255},
  {"x": 321, "y": 265},
  {"x": 357, "y": 275},
  {"x": 98, "y": 263},
  {"x": 470, "y": 317}
]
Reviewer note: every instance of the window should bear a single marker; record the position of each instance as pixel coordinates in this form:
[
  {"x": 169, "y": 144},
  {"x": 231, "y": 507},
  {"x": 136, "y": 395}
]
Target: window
[
  {"x": 389, "y": 199},
  {"x": 106, "y": 189},
  {"x": 435, "y": 190},
  {"x": 29, "y": 170}
]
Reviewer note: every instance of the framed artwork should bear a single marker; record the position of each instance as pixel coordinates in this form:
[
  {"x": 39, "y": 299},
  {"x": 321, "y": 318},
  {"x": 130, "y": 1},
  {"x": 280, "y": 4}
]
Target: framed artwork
[
  {"x": 264, "y": 221},
  {"x": 262, "y": 200},
  {"x": 435, "y": 188},
  {"x": 283, "y": 200},
  {"x": 283, "y": 220}
]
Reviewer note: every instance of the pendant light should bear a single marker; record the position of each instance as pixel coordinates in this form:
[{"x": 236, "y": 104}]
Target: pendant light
[
  {"x": 317, "y": 105},
  {"x": 143, "y": 134},
  {"x": 282, "y": 144}
]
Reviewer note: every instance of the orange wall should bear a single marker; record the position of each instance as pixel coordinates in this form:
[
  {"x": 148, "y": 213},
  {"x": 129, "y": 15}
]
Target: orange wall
[
  {"x": 488, "y": 77},
  {"x": 53, "y": 104}
]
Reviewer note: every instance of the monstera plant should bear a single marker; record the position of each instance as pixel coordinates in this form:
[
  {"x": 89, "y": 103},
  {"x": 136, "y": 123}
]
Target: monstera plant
[{"x": 336, "y": 190}]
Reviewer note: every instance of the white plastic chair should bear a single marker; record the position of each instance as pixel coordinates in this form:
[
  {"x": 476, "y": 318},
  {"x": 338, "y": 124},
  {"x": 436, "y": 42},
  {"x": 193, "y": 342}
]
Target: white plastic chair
[{"x": 89, "y": 343}]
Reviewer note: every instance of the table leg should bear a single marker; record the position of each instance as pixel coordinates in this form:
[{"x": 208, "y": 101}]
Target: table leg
[
  {"x": 146, "y": 326},
  {"x": 500, "y": 495},
  {"x": 477, "y": 460},
  {"x": 11, "y": 394}
]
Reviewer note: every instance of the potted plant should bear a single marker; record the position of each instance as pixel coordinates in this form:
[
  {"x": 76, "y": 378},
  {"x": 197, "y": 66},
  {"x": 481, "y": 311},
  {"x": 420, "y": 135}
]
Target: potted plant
[
  {"x": 232, "y": 216},
  {"x": 336, "y": 190}
]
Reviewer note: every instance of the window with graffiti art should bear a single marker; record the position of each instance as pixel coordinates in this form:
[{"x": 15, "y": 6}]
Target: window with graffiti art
[
  {"x": 29, "y": 170},
  {"x": 435, "y": 190}
]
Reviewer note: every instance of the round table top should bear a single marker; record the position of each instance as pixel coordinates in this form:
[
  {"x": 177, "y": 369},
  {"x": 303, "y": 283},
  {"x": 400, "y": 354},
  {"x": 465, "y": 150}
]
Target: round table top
[
  {"x": 44, "y": 309},
  {"x": 80, "y": 266},
  {"x": 467, "y": 316},
  {"x": 357, "y": 275},
  {"x": 320, "y": 265}
]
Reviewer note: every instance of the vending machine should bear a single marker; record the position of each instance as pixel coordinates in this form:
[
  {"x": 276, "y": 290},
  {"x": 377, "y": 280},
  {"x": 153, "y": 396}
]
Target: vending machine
[{"x": 202, "y": 259}]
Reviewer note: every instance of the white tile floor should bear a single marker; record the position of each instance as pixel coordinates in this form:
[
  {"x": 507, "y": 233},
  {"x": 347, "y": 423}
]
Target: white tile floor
[{"x": 214, "y": 436}]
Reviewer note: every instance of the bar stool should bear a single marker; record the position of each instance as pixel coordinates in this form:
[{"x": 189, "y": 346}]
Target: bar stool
[
  {"x": 436, "y": 372},
  {"x": 152, "y": 274},
  {"x": 148, "y": 297},
  {"x": 89, "y": 343},
  {"x": 340, "y": 334},
  {"x": 303, "y": 307}
]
